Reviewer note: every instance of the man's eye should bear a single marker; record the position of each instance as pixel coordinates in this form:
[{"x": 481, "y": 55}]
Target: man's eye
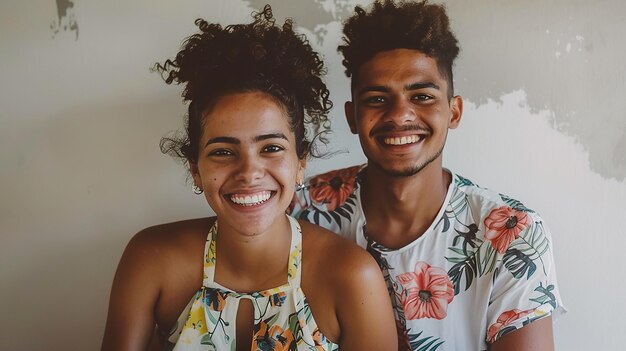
[
  {"x": 422, "y": 97},
  {"x": 374, "y": 100},
  {"x": 273, "y": 148}
]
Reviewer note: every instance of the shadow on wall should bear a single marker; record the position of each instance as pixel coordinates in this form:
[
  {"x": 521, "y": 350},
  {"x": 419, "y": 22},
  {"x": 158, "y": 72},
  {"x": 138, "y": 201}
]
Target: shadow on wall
[{"x": 93, "y": 177}]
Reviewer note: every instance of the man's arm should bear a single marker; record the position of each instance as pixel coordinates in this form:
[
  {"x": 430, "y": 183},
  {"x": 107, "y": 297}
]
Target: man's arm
[{"x": 536, "y": 336}]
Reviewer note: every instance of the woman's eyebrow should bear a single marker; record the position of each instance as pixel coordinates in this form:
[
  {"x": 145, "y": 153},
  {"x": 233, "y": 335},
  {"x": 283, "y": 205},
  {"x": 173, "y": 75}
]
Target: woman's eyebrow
[
  {"x": 222, "y": 139},
  {"x": 270, "y": 136}
]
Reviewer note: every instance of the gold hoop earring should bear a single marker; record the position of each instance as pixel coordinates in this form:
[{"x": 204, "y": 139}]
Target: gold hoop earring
[{"x": 196, "y": 189}]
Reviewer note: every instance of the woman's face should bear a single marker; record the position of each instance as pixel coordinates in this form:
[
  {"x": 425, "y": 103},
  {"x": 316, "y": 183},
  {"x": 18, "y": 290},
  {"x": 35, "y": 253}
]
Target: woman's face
[{"x": 247, "y": 162}]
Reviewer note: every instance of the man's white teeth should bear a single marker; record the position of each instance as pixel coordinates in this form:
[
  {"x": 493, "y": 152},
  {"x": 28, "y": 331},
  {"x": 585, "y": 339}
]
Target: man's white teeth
[
  {"x": 251, "y": 200},
  {"x": 402, "y": 140}
]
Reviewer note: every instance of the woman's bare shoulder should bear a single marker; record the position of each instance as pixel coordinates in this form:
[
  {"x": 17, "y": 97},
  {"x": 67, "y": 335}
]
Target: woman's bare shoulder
[
  {"x": 165, "y": 243},
  {"x": 335, "y": 255},
  {"x": 347, "y": 291},
  {"x": 173, "y": 234}
]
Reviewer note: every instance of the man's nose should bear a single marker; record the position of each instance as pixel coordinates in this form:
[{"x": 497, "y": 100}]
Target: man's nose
[{"x": 400, "y": 112}]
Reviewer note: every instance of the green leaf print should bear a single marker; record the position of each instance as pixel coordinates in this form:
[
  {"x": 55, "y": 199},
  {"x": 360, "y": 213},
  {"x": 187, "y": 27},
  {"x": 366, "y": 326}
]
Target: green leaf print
[
  {"x": 519, "y": 264},
  {"x": 295, "y": 327},
  {"x": 515, "y": 204},
  {"x": 466, "y": 269},
  {"x": 546, "y": 295},
  {"x": 428, "y": 343},
  {"x": 206, "y": 340},
  {"x": 467, "y": 237},
  {"x": 304, "y": 215},
  {"x": 316, "y": 217},
  {"x": 486, "y": 256},
  {"x": 532, "y": 243},
  {"x": 446, "y": 222},
  {"x": 461, "y": 181}
]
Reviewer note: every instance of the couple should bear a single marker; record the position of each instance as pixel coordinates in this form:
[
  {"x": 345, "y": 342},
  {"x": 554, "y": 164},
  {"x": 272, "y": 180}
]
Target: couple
[{"x": 463, "y": 268}]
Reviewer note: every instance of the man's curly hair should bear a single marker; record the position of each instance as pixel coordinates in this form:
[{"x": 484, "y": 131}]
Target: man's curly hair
[
  {"x": 403, "y": 25},
  {"x": 259, "y": 56}
]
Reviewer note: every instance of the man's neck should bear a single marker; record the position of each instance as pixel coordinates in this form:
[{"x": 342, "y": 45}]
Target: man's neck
[{"x": 400, "y": 209}]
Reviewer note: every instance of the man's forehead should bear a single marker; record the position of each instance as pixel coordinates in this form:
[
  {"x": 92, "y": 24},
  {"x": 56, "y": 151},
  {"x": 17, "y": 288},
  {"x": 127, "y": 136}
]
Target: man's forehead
[{"x": 403, "y": 68}]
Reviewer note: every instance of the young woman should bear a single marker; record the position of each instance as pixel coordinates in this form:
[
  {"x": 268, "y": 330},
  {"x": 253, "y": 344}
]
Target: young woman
[{"x": 250, "y": 278}]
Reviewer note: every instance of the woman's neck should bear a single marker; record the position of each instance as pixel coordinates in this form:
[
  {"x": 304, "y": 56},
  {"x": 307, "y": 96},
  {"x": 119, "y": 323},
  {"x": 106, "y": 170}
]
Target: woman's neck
[{"x": 252, "y": 263}]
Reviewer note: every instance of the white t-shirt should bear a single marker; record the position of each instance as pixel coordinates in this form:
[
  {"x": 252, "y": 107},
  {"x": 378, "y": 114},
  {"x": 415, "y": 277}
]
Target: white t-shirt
[{"x": 482, "y": 269}]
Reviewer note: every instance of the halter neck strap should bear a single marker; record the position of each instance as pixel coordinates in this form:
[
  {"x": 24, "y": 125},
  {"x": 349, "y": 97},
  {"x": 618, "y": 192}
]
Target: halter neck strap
[{"x": 294, "y": 269}]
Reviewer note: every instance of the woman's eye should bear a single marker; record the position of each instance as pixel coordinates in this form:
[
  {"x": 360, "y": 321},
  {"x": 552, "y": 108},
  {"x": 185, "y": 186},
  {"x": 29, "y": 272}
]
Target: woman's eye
[
  {"x": 273, "y": 148},
  {"x": 220, "y": 152}
]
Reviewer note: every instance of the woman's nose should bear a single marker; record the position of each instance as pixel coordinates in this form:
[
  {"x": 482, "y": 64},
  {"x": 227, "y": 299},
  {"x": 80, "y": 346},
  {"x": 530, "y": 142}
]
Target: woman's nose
[{"x": 249, "y": 168}]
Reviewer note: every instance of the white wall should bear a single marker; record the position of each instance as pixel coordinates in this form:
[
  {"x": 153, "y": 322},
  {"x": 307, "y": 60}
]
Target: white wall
[{"x": 81, "y": 117}]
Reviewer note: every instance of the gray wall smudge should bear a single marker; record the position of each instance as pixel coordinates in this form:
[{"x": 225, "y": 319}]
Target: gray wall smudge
[{"x": 66, "y": 19}]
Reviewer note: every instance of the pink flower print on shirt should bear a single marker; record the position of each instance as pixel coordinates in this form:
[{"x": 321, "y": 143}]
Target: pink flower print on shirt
[
  {"x": 333, "y": 188},
  {"x": 503, "y": 225},
  {"x": 427, "y": 292},
  {"x": 505, "y": 319}
]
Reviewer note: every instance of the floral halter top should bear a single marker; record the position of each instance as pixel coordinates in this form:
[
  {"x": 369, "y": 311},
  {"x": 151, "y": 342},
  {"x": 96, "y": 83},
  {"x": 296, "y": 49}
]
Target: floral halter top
[{"x": 282, "y": 317}]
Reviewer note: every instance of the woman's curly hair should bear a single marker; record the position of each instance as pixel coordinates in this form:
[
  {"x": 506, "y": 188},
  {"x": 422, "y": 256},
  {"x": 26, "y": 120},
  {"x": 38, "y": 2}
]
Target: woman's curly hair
[
  {"x": 403, "y": 25},
  {"x": 259, "y": 56}
]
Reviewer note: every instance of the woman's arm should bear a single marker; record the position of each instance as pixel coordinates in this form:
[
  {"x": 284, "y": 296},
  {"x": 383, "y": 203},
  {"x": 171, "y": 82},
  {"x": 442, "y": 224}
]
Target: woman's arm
[
  {"x": 364, "y": 309},
  {"x": 130, "y": 322}
]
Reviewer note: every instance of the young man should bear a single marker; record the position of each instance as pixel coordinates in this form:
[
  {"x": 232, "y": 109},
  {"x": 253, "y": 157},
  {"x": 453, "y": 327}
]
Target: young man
[{"x": 466, "y": 268}]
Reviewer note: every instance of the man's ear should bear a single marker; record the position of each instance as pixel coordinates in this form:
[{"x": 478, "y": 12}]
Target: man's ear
[
  {"x": 456, "y": 110},
  {"x": 348, "y": 108}
]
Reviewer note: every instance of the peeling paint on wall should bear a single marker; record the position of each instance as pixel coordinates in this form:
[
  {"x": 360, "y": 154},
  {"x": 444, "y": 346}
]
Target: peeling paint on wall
[
  {"x": 568, "y": 58},
  {"x": 66, "y": 19}
]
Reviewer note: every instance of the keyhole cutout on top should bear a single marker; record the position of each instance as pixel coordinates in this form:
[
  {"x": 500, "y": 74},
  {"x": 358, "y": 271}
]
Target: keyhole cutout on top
[{"x": 245, "y": 325}]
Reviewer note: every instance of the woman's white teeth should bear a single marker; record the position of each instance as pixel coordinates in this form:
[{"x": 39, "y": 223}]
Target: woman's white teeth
[
  {"x": 402, "y": 140},
  {"x": 251, "y": 200}
]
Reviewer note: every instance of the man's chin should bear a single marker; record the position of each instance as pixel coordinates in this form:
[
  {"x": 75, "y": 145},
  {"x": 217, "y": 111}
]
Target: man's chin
[
  {"x": 397, "y": 171},
  {"x": 404, "y": 171}
]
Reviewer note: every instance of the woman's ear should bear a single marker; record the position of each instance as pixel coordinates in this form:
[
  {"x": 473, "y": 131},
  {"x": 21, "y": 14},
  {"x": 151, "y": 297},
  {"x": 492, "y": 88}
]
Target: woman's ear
[
  {"x": 301, "y": 170},
  {"x": 195, "y": 174}
]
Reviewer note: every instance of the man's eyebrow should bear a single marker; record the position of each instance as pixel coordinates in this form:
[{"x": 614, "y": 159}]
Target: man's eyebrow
[
  {"x": 270, "y": 136},
  {"x": 416, "y": 86},
  {"x": 384, "y": 89},
  {"x": 378, "y": 88}
]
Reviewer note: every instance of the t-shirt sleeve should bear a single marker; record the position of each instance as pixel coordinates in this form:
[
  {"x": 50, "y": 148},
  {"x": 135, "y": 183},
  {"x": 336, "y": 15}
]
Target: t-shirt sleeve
[{"x": 525, "y": 286}]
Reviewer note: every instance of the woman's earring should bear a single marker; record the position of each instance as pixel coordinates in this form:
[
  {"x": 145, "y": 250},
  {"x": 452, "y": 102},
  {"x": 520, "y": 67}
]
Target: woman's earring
[
  {"x": 299, "y": 185},
  {"x": 196, "y": 189}
]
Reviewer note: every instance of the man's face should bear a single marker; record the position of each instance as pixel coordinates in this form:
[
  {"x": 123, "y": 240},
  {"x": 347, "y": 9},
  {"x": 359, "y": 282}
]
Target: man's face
[{"x": 401, "y": 111}]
